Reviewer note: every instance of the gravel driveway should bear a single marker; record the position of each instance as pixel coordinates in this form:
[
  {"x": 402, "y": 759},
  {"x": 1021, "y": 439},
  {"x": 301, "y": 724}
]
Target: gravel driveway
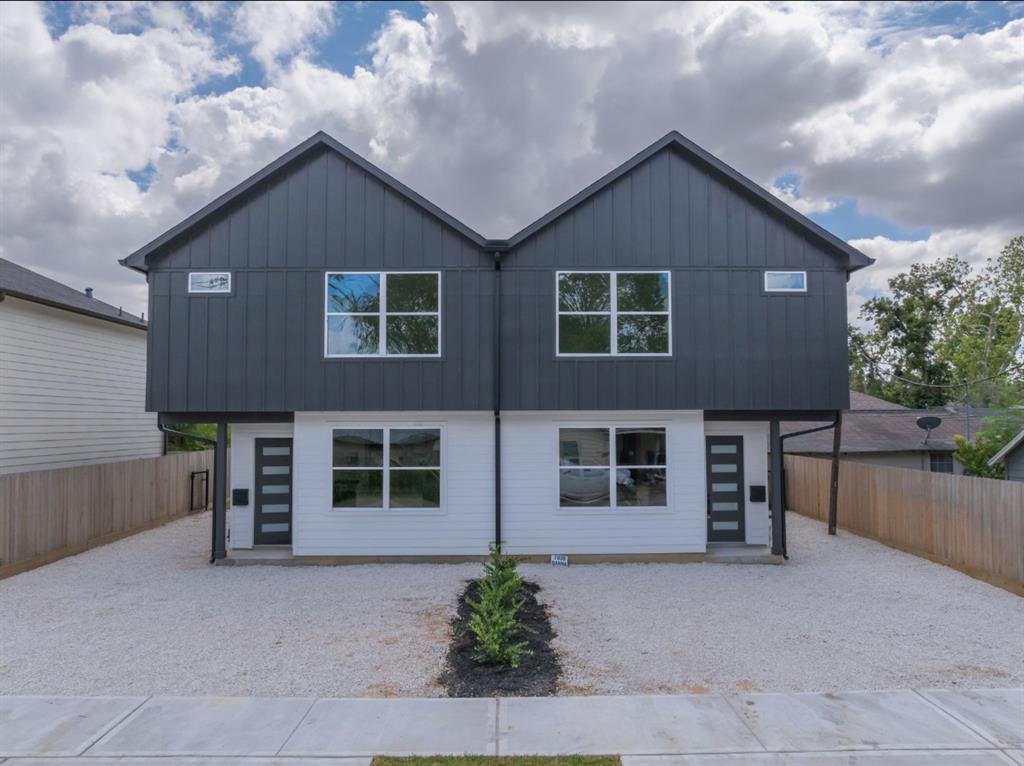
[
  {"x": 147, "y": 615},
  {"x": 843, "y": 613}
]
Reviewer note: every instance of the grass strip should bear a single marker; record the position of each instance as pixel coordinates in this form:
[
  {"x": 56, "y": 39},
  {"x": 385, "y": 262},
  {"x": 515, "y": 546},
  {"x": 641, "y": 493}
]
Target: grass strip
[{"x": 496, "y": 760}]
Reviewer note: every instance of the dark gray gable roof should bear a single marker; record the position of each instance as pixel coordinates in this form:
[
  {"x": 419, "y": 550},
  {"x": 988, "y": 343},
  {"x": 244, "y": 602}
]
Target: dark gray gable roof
[
  {"x": 24, "y": 283},
  {"x": 137, "y": 260},
  {"x": 673, "y": 140}
]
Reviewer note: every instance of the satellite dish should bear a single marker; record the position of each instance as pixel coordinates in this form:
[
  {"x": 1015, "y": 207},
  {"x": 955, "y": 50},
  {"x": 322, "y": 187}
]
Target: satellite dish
[{"x": 927, "y": 423}]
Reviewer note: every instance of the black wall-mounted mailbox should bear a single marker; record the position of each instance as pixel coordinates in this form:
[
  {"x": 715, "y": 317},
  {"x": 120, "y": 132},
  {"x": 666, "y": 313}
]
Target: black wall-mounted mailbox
[
  {"x": 239, "y": 497},
  {"x": 758, "y": 493}
]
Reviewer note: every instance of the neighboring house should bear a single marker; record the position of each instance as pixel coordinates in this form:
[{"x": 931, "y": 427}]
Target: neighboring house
[
  {"x": 1012, "y": 458},
  {"x": 72, "y": 377},
  {"x": 609, "y": 380},
  {"x": 883, "y": 433}
]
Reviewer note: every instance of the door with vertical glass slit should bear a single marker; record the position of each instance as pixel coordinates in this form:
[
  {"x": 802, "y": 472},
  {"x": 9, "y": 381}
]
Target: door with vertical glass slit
[
  {"x": 273, "y": 502},
  {"x": 725, "y": 489}
]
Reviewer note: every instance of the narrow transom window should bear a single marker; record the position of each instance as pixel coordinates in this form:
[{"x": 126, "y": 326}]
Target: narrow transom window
[
  {"x": 609, "y": 312},
  {"x": 383, "y": 314},
  {"x": 209, "y": 282},
  {"x": 379, "y": 468},
  {"x": 621, "y": 467},
  {"x": 785, "y": 281}
]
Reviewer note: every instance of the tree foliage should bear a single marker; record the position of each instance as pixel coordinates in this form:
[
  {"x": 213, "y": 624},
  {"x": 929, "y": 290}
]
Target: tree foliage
[
  {"x": 176, "y": 443},
  {"x": 994, "y": 435},
  {"x": 945, "y": 334}
]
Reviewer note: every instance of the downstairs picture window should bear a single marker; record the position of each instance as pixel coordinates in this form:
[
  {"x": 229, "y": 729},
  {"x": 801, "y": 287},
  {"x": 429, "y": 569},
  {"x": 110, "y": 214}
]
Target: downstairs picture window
[
  {"x": 613, "y": 467},
  {"x": 386, "y": 468}
]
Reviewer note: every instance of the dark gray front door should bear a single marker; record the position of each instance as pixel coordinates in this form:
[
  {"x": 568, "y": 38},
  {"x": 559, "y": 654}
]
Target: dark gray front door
[
  {"x": 725, "y": 489},
  {"x": 273, "y": 507}
]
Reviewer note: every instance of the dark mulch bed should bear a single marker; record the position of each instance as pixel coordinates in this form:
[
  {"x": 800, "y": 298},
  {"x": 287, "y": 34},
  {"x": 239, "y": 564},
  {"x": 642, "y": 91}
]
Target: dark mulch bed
[{"x": 538, "y": 672}]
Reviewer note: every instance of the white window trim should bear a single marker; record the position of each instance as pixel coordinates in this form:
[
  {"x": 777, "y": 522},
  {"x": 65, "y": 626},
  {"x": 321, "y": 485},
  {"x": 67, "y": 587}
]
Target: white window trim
[
  {"x": 614, "y": 314},
  {"x": 613, "y": 506},
  {"x": 382, "y": 315},
  {"x": 785, "y": 289},
  {"x": 226, "y": 291},
  {"x": 386, "y": 494}
]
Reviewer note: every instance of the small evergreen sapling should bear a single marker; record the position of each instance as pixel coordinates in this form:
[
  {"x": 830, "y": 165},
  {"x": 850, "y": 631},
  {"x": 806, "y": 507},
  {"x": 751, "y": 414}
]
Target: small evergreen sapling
[{"x": 492, "y": 618}]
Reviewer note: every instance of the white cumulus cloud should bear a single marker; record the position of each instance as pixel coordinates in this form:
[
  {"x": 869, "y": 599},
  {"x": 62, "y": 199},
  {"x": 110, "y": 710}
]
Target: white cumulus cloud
[{"x": 499, "y": 111}]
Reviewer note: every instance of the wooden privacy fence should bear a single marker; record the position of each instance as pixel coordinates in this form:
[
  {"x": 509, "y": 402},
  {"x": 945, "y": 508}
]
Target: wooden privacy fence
[
  {"x": 975, "y": 525},
  {"x": 47, "y": 515}
]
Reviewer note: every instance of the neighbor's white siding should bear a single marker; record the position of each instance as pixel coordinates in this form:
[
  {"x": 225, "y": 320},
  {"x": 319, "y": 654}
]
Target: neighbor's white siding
[
  {"x": 243, "y": 475},
  {"x": 464, "y": 525},
  {"x": 533, "y": 523},
  {"x": 72, "y": 390},
  {"x": 755, "y": 471}
]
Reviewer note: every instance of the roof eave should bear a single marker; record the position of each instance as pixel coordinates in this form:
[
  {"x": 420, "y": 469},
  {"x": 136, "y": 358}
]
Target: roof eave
[
  {"x": 135, "y": 324},
  {"x": 1007, "y": 449}
]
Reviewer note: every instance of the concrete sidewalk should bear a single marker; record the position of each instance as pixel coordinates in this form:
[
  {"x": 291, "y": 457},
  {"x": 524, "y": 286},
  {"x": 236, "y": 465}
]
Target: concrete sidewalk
[{"x": 903, "y": 728}]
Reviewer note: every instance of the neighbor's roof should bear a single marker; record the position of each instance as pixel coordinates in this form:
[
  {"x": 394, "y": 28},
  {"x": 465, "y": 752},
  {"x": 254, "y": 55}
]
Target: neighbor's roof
[
  {"x": 859, "y": 401},
  {"x": 1009, "y": 447},
  {"x": 854, "y": 258},
  {"x": 24, "y": 283},
  {"x": 889, "y": 430}
]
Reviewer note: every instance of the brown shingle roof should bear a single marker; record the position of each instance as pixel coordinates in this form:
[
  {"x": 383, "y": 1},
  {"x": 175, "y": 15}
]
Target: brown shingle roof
[{"x": 890, "y": 430}]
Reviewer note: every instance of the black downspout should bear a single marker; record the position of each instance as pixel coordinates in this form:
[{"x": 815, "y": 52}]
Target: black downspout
[{"x": 497, "y": 400}]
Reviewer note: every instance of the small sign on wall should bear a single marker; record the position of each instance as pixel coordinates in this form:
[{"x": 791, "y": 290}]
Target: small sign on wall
[{"x": 559, "y": 560}]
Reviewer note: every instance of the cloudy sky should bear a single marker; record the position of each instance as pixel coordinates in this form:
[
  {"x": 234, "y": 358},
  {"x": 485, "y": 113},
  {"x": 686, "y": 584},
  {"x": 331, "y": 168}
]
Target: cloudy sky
[{"x": 899, "y": 127}]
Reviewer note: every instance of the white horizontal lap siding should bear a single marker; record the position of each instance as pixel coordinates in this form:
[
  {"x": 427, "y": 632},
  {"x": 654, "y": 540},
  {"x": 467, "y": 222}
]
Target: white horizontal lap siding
[
  {"x": 755, "y": 471},
  {"x": 533, "y": 523},
  {"x": 72, "y": 390},
  {"x": 464, "y": 525},
  {"x": 243, "y": 475}
]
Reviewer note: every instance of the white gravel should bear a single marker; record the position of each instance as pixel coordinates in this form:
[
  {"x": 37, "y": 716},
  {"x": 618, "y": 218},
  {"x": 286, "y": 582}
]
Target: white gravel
[
  {"x": 147, "y": 615},
  {"x": 844, "y": 613}
]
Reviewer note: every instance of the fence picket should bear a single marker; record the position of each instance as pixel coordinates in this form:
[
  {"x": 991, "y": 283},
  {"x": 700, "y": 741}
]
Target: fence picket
[
  {"x": 975, "y": 525},
  {"x": 47, "y": 515}
]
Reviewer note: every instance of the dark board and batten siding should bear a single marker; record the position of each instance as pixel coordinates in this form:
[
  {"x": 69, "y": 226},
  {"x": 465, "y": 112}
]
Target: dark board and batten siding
[
  {"x": 734, "y": 347},
  {"x": 261, "y": 347}
]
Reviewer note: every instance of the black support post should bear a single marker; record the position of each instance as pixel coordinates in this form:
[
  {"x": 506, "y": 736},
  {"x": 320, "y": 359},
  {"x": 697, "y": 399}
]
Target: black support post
[
  {"x": 220, "y": 493},
  {"x": 778, "y": 501},
  {"x": 833, "y": 488}
]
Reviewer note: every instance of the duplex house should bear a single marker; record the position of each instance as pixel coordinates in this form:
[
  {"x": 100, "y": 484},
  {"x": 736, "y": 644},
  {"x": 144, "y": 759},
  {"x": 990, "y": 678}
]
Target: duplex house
[{"x": 608, "y": 382}]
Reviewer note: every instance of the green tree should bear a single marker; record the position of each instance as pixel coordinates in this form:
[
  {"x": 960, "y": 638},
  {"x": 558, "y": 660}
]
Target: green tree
[
  {"x": 946, "y": 334},
  {"x": 997, "y": 431},
  {"x": 176, "y": 443}
]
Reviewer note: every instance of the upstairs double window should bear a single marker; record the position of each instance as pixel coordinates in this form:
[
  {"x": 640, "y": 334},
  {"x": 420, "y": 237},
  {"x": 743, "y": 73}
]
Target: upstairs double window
[
  {"x": 383, "y": 314},
  {"x": 625, "y": 313}
]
